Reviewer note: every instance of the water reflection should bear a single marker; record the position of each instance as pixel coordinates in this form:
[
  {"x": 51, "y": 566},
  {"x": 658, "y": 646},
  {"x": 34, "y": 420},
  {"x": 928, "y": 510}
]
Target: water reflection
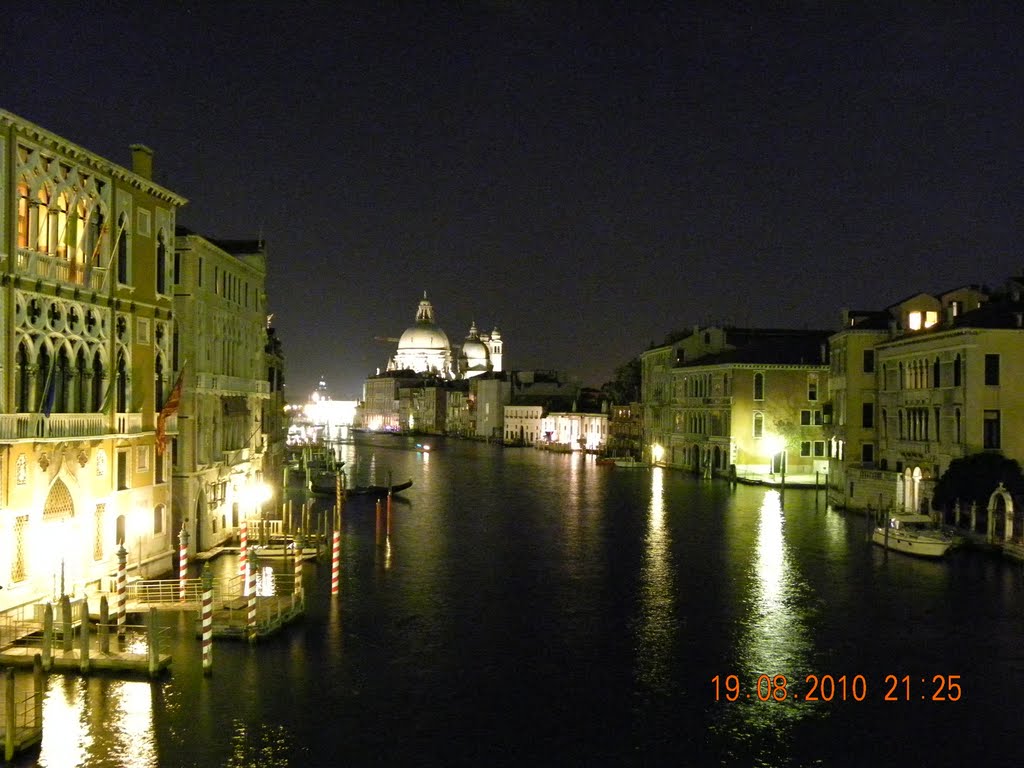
[
  {"x": 774, "y": 641},
  {"x": 121, "y": 710},
  {"x": 657, "y": 626}
]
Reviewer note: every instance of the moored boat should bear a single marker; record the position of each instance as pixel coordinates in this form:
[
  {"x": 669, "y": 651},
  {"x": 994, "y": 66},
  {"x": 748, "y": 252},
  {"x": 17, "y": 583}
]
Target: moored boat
[
  {"x": 913, "y": 535},
  {"x": 278, "y": 547},
  {"x": 631, "y": 464}
]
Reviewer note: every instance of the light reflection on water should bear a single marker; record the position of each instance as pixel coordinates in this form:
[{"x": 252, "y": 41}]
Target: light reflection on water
[
  {"x": 657, "y": 623},
  {"x": 773, "y": 642},
  {"x": 73, "y": 709}
]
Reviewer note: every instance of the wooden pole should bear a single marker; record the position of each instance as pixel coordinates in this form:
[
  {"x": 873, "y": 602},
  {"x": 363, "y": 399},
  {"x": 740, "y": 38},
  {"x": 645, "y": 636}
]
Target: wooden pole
[
  {"x": 10, "y": 716},
  {"x": 154, "y": 643},
  {"x": 182, "y": 562},
  {"x": 243, "y": 549},
  {"x": 251, "y": 623},
  {"x": 68, "y": 640},
  {"x": 38, "y": 689},
  {"x": 336, "y": 563},
  {"x": 122, "y": 593},
  {"x": 104, "y": 628},
  {"x": 83, "y": 636},
  {"x": 48, "y": 636},
  {"x": 207, "y": 616}
]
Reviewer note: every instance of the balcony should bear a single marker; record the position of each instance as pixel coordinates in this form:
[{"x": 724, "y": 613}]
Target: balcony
[
  {"x": 42, "y": 266},
  {"x": 62, "y": 426}
]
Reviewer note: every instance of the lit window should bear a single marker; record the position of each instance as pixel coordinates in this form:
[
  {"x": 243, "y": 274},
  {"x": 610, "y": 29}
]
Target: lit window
[
  {"x": 931, "y": 317},
  {"x": 914, "y": 321}
]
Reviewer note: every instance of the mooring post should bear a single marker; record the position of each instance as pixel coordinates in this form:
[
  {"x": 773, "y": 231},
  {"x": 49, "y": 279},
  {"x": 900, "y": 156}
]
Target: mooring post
[
  {"x": 38, "y": 689},
  {"x": 48, "y": 636},
  {"x": 83, "y": 638},
  {"x": 104, "y": 628},
  {"x": 182, "y": 562},
  {"x": 68, "y": 640},
  {"x": 388, "y": 529},
  {"x": 10, "y": 716},
  {"x": 336, "y": 563},
  {"x": 207, "y": 620},
  {"x": 154, "y": 643},
  {"x": 243, "y": 548},
  {"x": 251, "y": 622},
  {"x": 379, "y": 527},
  {"x": 122, "y": 592}
]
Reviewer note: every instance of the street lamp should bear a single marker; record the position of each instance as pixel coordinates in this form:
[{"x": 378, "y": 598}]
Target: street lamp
[
  {"x": 657, "y": 453},
  {"x": 776, "y": 446}
]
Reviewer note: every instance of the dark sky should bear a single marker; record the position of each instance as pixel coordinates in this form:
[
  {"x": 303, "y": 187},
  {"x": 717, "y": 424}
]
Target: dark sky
[{"x": 589, "y": 177}]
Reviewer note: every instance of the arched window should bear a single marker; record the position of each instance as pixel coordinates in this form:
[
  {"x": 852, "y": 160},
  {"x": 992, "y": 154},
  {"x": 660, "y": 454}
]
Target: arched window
[
  {"x": 936, "y": 378},
  {"x": 122, "y": 386},
  {"x": 122, "y": 249},
  {"x": 94, "y": 231},
  {"x": 758, "y": 424},
  {"x": 120, "y": 530},
  {"x": 98, "y": 388},
  {"x": 161, "y": 263},
  {"x": 38, "y": 219},
  {"x": 23, "y": 215},
  {"x": 956, "y": 419},
  {"x": 759, "y": 386},
  {"x": 23, "y": 382}
]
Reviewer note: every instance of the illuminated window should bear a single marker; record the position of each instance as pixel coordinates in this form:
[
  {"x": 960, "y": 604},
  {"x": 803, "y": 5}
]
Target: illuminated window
[
  {"x": 914, "y": 321},
  {"x": 23, "y": 209},
  {"x": 931, "y": 317}
]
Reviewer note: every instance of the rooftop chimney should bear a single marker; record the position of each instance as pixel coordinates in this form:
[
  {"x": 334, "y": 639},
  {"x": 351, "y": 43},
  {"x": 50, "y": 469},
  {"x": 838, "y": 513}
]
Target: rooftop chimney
[{"x": 142, "y": 161}]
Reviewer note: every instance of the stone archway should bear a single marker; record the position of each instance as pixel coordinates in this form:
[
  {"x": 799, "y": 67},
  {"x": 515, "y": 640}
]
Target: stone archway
[{"x": 1000, "y": 515}]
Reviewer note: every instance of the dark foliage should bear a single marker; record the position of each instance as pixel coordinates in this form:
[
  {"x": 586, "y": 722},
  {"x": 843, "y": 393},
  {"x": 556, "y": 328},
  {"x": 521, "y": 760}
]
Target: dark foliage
[
  {"x": 973, "y": 479},
  {"x": 625, "y": 387}
]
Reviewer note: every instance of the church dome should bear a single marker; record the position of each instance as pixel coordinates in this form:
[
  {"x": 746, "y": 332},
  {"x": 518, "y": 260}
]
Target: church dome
[
  {"x": 425, "y": 335},
  {"x": 424, "y": 347},
  {"x": 474, "y": 350},
  {"x": 423, "y": 338}
]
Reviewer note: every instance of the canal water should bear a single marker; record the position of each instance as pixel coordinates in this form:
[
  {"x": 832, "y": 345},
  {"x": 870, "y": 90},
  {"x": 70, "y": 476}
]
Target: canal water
[{"x": 535, "y": 609}]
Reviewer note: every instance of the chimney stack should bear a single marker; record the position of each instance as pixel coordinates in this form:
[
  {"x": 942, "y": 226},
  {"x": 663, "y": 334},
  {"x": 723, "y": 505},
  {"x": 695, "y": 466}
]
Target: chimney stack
[{"x": 142, "y": 161}]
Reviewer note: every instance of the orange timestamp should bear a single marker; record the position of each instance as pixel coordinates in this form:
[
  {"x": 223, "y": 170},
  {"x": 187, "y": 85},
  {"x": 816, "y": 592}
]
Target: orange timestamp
[{"x": 837, "y": 688}]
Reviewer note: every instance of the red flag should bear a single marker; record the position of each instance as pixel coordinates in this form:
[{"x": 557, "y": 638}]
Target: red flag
[{"x": 170, "y": 408}]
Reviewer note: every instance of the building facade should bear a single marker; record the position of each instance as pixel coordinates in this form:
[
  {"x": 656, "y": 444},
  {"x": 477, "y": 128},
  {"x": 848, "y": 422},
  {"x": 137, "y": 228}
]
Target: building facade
[
  {"x": 87, "y": 324},
  {"x": 220, "y": 476}
]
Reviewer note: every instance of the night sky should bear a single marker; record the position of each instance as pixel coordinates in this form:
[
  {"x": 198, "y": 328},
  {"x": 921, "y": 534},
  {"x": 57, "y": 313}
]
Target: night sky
[{"x": 587, "y": 177}]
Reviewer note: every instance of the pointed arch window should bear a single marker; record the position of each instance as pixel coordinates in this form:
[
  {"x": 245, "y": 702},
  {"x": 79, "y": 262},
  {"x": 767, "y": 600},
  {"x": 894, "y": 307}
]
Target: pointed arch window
[
  {"x": 122, "y": 249},
  {"x": 161, "y": 263},
  {"x": 23, "y": 214}
]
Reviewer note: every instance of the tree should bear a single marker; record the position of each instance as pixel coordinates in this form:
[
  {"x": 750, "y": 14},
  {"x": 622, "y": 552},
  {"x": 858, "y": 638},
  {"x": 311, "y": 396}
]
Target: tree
[
  {"x": 625, "y": 387},
  {"x": 973, "y": 479}
]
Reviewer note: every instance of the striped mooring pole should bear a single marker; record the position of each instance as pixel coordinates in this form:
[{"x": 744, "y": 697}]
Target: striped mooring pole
[
  {"x": 298, "y": 570},
  {"x": 207, "y": 620},
  {"x": 122, "y": 590},
  {"x": 243, "y": 549},
  {"x": 336, "y": 563},
  {"x": 251, "y": 623},
  {"x": 182, "y": 563}
]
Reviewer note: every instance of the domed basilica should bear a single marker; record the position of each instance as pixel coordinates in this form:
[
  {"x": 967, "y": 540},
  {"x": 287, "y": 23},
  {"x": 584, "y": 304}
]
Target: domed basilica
[{"x": 424, "y": 348}]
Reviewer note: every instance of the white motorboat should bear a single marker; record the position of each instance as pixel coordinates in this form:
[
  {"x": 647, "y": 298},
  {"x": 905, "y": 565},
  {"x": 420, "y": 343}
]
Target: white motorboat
[
  {"x": 913, "y": 535},
  {"x": 628, "y": 463}
]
